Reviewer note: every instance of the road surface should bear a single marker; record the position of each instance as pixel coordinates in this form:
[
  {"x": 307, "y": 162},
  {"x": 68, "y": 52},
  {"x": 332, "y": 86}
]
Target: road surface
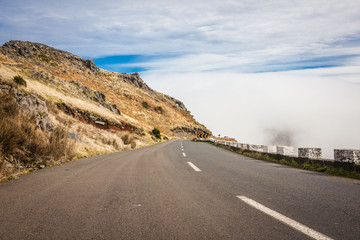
[{"x": 178, "y": 190}]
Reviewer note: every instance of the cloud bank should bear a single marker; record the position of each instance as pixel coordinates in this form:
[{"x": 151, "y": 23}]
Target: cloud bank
[{"x": 308, "y": 107}]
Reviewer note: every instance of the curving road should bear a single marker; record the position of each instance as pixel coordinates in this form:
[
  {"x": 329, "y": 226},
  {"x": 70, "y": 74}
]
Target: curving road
[{"x": 178, "y": 190}]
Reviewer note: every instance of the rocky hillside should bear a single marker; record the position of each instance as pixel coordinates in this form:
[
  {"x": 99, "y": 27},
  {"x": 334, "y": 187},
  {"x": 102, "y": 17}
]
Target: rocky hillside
[{"x": 100, "y": 111}]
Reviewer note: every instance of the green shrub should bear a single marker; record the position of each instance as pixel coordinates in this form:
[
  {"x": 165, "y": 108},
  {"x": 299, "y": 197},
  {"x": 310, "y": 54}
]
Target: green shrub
[
  {"x": 165, "y": 138},
  {"x": 321, "y": 169},
  {"x": 145, "y": 105},
  {"x": 159, "y": 109},
  {"x": 19, "y": 80},
  {"x": 156, "y": 133},
  {"x": 79, "y": 155},
  {"x": 306, "y": 166},
  {"x": 59, "y": 105},
  {"x": 44, "y": 58}
]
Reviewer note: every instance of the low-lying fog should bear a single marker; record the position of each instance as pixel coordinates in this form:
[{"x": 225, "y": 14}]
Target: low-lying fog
[{"x": 304, "y": 108}]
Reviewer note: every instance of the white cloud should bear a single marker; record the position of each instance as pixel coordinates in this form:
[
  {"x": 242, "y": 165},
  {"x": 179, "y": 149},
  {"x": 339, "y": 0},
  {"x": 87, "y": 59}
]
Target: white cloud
[
  {"x": 321, "y": 111},
  {"x": 219, "y": 27}
]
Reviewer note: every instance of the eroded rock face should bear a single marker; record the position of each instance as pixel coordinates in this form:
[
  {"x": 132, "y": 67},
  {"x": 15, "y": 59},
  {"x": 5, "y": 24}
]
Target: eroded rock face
[
  {"x": 192, "y": 131},
  {"x": 31, "y": 106},
  {"x": 36, "y": 108},
  {"x": 177, "y": 104},
  {"x": 97, "y": 120},
  {"x": 96, "y": 96},
  {"x": 135, "y": 80},
  {"x": 38, "y": 52}
]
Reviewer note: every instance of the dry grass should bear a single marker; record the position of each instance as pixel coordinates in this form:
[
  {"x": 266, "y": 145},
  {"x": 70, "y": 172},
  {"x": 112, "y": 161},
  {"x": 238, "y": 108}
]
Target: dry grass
[
  {"x": 59, "y": 144},
  {"x": 94, "y": 140},
  {"x": 129, "y": 139},
  {"x": 22, "y": 144},
  {"x": 87, "y": 105}
]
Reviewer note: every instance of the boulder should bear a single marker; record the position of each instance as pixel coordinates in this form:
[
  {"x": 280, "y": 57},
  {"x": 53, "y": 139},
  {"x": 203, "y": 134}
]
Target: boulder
[{"x": 35, "y": 108}]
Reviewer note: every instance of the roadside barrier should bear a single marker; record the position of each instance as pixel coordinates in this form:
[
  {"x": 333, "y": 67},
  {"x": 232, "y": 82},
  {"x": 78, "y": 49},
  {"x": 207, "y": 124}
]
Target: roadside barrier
[{"x": 348, "y": 156}]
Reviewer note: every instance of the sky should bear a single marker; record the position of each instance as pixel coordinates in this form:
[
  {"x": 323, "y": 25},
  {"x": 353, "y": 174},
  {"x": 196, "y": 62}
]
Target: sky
[{"x": 264, "y": 72}]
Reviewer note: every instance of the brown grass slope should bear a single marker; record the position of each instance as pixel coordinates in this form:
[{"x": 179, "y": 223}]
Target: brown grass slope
[
  {"x": 55, "y": 107},
  {"x": 128, "y": 92}
]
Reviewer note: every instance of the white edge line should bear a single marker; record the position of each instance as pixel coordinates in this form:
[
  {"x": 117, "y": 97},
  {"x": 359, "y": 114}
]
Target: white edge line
[
  {"x": 194, "y": 167},
  {"x": 292, "y": 223},
  {"x": 184, "y": 154}
]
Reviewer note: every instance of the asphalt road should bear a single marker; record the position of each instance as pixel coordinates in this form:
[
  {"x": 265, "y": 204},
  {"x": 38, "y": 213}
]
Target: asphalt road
[{"x": 178, "y": 190}]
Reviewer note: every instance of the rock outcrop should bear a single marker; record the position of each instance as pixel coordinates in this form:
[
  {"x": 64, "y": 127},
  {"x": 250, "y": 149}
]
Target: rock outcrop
[
  {"x": 31, "y": 106},
  {"x": 187, "y": 130},
  {"x": 97, "y": 120},
  {"x": 135, "y": 80},
  {"x": 96, "y": 96},
  {"x": 36, "y": 52},
  {"x": 36, "y": 108}
]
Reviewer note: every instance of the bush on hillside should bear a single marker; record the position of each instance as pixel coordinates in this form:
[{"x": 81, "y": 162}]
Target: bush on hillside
[
  {"x": 145, "y": 105},
  {"x": 19, "y": 80},
  {"x": 159, "y": 109},
  {"x": 156, "y": 133}
]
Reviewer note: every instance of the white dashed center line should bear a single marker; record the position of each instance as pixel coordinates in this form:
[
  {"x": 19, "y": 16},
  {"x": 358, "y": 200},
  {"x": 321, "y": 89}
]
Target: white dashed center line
[
  {"x": 184, "y": 154},
  {"x": 292, "y": 223},
  {"x": 194, "y": 167}
]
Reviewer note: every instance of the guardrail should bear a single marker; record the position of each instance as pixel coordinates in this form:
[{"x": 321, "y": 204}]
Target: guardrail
[{"x": 349, "y": 156}]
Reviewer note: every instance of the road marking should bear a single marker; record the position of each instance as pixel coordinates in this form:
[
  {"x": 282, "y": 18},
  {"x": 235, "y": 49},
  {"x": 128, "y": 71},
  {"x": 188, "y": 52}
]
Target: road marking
[
  {"x": 184, "y": 154},
  {"x": 194, "y": 167},
  {"x": 298, "y": 226}
]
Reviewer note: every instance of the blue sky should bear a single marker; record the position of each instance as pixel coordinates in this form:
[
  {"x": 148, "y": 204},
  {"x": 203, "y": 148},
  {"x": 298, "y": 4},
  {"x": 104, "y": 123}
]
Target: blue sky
[
  {"x": 120, "y": 63},
  {"x": 256, "y": 36},
  {"x": 257, "y": 47}
]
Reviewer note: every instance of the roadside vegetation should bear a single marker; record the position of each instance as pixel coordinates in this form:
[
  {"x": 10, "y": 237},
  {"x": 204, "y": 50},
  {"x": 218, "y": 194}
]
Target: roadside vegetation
[
  {"x": 312, "y": 165},
  {"x": 23, "y": 145}
]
